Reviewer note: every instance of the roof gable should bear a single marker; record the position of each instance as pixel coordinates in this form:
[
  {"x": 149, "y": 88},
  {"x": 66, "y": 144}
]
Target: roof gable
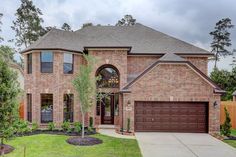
[{"x": 168, "y": 59}]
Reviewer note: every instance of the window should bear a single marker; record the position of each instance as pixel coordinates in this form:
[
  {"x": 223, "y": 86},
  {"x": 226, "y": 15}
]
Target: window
[
  {"x": 109, "y": 78},
  {"x": 46, "y": 108},
  {"x": 46, "y": 62},
  {"x": 68, "y": 107},
  {"x": 29, "y": 107},
  {"x": 116, "y": 104},
  {"x": 29, "y": 63},
  {"x": 68, "y": 63}
]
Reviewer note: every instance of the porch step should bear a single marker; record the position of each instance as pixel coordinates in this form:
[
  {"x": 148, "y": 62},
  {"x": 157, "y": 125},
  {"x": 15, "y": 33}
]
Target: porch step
[{"x": 106, "y": 127}]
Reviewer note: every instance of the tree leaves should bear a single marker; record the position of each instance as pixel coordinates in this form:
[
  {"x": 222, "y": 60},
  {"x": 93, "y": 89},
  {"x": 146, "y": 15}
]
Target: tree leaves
[
  {"x": 27, "y": 24},
  {"x": 127, "y": 20}
]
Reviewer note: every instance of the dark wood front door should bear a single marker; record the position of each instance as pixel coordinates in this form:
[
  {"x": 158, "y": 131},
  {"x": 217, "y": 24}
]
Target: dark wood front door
[
  {"x": 171, "y": 116},
  {"x": 107, "y": 110}
]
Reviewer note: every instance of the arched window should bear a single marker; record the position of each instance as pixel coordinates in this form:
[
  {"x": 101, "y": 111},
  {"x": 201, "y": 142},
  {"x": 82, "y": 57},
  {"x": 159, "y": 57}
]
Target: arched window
[{"x": 108, "y": 77}]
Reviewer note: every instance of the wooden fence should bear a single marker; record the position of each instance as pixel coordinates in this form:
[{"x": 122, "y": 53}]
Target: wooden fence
[{"x": 231, "y": 107}]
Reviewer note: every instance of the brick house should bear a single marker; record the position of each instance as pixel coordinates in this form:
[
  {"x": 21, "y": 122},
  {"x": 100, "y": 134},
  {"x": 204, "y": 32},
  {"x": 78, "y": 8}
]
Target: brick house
[{"x": 158, "y": 82}]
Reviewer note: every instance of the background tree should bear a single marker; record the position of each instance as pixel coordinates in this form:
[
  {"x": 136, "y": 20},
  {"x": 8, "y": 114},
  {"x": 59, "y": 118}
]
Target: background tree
[
  {"x": 87, "y": 24},
  {"x": 27, "y": 25},
  {"x": 66, "y": 27},
  {"x": 85, "y": 85},
  {"x": 1, "y": 39},
  {"x": 9, "y": 91},
  {"x": 225, "y": 80},
  {"x": 7, "y": 52},
  {"x": 46, "y": 29},
  {"x": 127, "y": 20},
  {"x": 221, "y": 39}
]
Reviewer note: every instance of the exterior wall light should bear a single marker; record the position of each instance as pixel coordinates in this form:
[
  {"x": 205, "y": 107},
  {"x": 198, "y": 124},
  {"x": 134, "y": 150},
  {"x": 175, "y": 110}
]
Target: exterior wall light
[{"x": 215, "y": 103}]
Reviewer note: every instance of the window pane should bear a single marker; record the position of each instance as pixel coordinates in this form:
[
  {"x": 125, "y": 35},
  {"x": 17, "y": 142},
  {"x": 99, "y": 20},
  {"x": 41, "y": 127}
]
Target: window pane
[
  {"x": 29, "y": 107},
  {"x": 116, "y": 104},
  {"x": 29, "y": 63},
  {"x": 46, "y": 56},
  {"x": 46, "y": 67},
  {"x": 68, "y": 68},
  {"x": 68, "y": 107},
  {"x": 68, "y": 58},
  {"x": 109, "y": 78},
  {"x": 46, "y": 108}
]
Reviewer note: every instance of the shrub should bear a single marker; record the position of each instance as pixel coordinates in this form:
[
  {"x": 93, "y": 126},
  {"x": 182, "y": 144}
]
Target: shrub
[
  {"x": 226, "y": 126},
  {"x": 21, "y": 127},
  {"x": 51, "y": 126},
  {"x": 128, "y": 125},
  {"x": 91, "y": 122},
  {"x": 66, "y": 126},
  {"x": 34, "y": 126},
  {"x": 77, "y": 127}
]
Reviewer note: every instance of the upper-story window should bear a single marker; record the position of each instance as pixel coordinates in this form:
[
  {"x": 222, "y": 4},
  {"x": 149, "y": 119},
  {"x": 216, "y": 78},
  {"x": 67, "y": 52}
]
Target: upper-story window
[
  {"x": 68, "y": 63},
  {"x": 29, "y": 63},
  {"x": 109, "y": 77},
  {"x": 46, "y": 62}
]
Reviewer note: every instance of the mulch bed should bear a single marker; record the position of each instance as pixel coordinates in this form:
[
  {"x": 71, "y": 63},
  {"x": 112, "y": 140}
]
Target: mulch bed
[
  {"x": 6, "y": 149},
  {"x": 56, "y": 132},
  {"x": 230, "y": 138},
  {"x": 86, "y": 141}
]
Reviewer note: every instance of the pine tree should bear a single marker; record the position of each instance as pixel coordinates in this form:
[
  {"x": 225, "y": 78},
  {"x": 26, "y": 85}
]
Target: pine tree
[
  {"x": 221, "y": 39},
  {"x": 27, "y": 25}
]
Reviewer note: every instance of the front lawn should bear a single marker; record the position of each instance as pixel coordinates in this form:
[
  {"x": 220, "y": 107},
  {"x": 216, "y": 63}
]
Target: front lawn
[
  {"x": 56, "y": 146},
  {"x": 232, "y": 142}
]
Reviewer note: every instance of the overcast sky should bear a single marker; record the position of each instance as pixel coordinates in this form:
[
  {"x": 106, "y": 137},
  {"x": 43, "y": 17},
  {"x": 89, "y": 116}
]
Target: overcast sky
[{"x": 189, "y": 20}]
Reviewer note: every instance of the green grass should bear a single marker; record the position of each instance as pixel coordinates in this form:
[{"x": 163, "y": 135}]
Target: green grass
[
  {"x": 56, "y": 146},
  {"x": 233, "y": 132},
  {"x": 232, "y": 142}
]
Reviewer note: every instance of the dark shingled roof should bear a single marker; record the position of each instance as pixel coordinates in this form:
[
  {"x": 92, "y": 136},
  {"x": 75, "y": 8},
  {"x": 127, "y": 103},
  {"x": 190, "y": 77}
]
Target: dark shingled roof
[{"x": 141, "y": 39}]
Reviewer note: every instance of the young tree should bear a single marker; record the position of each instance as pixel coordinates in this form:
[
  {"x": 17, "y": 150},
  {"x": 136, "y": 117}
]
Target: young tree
[
  {"x": 127, "y": 20},
  {"x": 221, "y": 39},
  {"x": 9, "y": 91},
  {"x": 85, "y": 85},
  {"x": 66, "y": 27},
  {"x": 226, "y": 127},
  {"x": 27, "y": 25},
  {"x": 1, "y": 39}
]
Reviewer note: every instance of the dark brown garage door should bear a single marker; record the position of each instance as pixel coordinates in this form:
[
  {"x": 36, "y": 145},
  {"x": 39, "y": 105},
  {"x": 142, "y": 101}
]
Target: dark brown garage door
[{"x": 171, "y": 117}]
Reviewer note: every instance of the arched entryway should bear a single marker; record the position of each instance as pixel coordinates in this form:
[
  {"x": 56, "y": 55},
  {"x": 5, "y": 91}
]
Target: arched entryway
[{"x": 108, "y": 83}]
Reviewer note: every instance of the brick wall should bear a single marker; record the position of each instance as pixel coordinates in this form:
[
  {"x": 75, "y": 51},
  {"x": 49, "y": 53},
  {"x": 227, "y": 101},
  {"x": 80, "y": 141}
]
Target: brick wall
[
  {"x": 116, "y": 58},
  {"x": 56, "y": 83},
  {"x": 173, "y": 82}
]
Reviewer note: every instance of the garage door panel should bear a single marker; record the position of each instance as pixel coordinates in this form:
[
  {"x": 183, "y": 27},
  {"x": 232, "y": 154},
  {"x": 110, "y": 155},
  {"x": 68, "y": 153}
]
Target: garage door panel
[{"x": 171, "y": 116}]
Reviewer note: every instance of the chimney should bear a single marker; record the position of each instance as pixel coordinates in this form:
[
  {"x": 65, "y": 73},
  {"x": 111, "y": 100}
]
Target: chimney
[{"x": 234, "y": 96}]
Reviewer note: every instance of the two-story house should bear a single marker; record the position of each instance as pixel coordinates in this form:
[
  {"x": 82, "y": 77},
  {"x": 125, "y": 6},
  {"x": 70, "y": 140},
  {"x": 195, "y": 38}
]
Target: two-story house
[{"x": 157, "y": 81}]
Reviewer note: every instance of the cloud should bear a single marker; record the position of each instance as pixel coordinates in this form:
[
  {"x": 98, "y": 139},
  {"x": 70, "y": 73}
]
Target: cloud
[{"x": 188, "y": 20}]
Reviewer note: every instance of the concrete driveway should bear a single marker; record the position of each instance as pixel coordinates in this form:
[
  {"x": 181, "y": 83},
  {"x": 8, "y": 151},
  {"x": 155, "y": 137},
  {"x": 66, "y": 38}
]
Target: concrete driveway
[{"x": 182, "y": 145}]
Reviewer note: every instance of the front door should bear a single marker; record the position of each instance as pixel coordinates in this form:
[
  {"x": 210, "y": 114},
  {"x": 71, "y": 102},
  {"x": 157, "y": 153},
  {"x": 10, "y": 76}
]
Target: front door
[{"x": 107, "y": 110}]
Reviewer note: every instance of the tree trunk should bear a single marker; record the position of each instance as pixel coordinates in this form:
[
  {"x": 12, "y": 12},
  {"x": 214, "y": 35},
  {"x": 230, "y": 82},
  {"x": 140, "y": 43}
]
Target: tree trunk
[
  {"x": 82, "y": 125},
  {"x": 2, "y": 147}
]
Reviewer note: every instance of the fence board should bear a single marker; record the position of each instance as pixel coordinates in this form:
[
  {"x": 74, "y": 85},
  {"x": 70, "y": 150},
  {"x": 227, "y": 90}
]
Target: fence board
[{"x": 231, "y": 107}]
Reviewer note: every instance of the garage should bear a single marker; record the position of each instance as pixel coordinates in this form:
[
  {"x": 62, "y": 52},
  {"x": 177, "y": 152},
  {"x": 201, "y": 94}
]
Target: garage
[{"x": 189, "y": 117}]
